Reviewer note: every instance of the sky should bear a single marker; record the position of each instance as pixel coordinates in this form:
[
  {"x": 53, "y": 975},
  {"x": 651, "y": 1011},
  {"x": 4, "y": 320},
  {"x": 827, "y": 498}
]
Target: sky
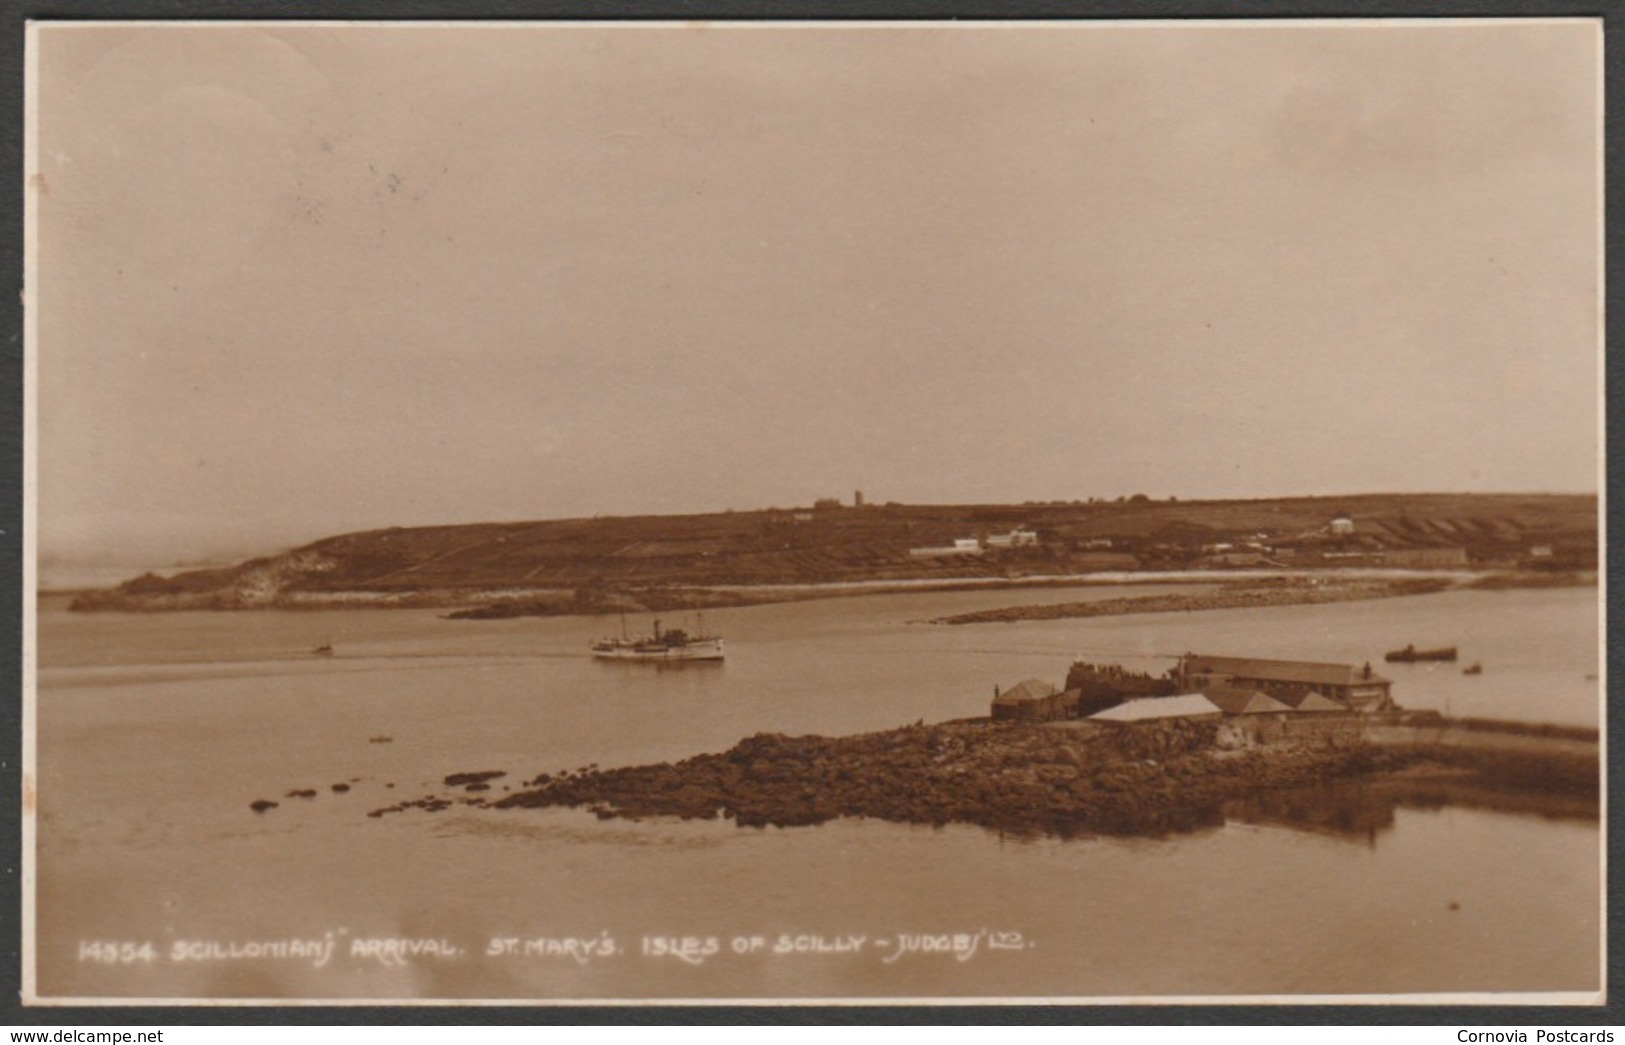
[{"x": 292, "y": 281}]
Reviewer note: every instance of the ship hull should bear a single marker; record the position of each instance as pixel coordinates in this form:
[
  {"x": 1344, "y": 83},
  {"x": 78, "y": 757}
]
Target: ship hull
[
  {"x": 1410, "y": 655},
  {"x": 698, "y": 650}
]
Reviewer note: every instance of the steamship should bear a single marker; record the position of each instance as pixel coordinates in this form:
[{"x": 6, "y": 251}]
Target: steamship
[{"x": 665, "y": 647}]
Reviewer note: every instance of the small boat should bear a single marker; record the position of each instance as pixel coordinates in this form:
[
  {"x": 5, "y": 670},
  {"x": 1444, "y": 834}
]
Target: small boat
[
  {"x": 324, "y": 650},
  {"x": 662, "y": 647},
  {"x": 1473, "y": 669},
  {"x": 1410, "y": 655}
]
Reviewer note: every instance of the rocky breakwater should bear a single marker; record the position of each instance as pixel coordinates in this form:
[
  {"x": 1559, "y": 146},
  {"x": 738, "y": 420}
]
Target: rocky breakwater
[{"x": 1016, "y": 777}]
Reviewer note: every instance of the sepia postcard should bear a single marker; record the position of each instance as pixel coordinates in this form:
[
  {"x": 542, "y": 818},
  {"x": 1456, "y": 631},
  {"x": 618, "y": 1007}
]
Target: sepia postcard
[{"x": 1045, "y": 512}]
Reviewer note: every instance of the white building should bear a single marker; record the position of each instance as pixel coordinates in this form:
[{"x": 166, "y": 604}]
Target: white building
[
  {"x": 961, "y": 546},
  {"x": 1017, "y": 538},
  {"x": 1147, "y": 709}
]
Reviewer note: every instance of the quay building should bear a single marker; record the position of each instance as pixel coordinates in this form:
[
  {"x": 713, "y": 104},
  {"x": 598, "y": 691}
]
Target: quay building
[
  {"x": 1200, "y": 685},
  {"x": 1358, "y": 688}
]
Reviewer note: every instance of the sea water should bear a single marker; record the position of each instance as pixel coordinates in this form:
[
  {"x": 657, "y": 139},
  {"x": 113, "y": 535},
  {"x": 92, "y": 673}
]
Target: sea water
[{"x": 154, "y": 878}]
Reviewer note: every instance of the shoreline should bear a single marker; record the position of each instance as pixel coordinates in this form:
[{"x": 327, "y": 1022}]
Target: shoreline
[
  {"x": 1074, "y": 779},
  {"x": 611, "y": 563},
  {"x": 1295, "y": 592},
  {"x": 508, "y": 603}
]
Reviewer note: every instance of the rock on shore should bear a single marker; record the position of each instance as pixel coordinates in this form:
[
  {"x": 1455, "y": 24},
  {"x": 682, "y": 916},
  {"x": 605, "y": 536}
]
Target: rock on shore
[
  {"x": 1071, "y": 779},
  {"x": 1009, "y": 776}
]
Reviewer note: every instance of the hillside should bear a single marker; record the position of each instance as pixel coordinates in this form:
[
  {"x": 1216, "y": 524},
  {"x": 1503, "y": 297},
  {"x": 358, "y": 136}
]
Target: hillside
[{"x": 595, "y": 563}]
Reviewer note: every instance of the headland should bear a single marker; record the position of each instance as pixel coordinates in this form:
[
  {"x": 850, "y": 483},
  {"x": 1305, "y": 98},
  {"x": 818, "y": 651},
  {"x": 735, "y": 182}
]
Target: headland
[{"x": 639, "y": 563}]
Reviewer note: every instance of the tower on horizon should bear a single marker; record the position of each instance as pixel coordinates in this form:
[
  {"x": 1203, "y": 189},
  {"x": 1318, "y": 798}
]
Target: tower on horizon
[{"x": 857, "y": 498}]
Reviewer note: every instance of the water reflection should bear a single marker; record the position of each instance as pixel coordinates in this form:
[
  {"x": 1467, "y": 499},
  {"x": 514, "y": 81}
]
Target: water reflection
[
  {"x": 1360, "y": 811},
  {"x": 1350, "y": 811},
  {"x": 132, "y": 847},
  {"x": 1154, "y": 823}
]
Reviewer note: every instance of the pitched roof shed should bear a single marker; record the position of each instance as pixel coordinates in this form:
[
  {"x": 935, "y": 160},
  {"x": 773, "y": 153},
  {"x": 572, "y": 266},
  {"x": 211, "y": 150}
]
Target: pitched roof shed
[
  {"x": 1032, "y": 689},
  {"x": 1311, "y": 701},
  {"x": 1245, "y": 701},
  {"x": 1191, "y": 705}
]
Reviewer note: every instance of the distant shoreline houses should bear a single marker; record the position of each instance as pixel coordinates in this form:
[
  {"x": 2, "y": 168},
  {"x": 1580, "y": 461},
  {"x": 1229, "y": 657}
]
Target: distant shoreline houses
[
  {"x": 1335, "y": 541},
  {"x": 1199, "y": 686},
  {"x": 1017, "y": 538},
  {"x": 1338, "y": 542}
]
